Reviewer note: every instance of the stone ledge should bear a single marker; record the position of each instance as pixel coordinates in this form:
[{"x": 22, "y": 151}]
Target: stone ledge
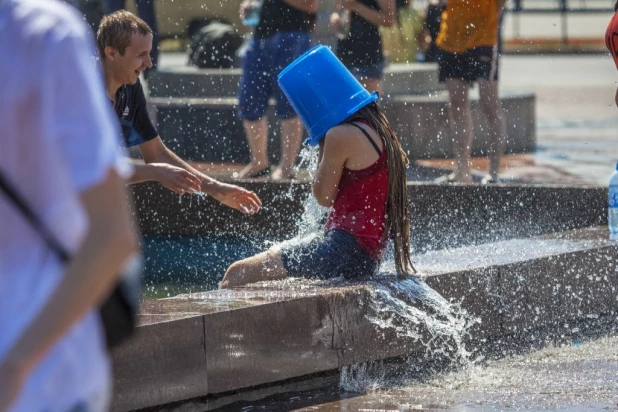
[
  {"x": 229, "y": 340},
  {"x": 188, "y": 81},
  {"x": 441, "y": 215}
]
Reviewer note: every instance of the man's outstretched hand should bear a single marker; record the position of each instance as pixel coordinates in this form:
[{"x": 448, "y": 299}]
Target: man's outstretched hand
[
  {"x": 238, "y": 198},
  {"x": 177, "y": 179}
]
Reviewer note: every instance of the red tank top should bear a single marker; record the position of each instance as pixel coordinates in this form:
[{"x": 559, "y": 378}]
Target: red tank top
[{"x": 360, "y": 206}]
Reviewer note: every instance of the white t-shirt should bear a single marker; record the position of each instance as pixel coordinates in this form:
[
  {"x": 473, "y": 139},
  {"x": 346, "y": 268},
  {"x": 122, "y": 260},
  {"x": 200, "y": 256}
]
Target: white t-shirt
[{"x": 58, "y": 137}]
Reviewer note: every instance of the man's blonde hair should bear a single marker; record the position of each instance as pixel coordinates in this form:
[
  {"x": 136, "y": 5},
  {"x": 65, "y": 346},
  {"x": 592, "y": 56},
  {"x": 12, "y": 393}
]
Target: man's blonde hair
[{"x": 116, "y": 30}]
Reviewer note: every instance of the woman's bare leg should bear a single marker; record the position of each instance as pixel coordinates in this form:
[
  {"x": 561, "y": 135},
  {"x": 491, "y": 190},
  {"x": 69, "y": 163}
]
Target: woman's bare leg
[{"x": 263, "y": 266}]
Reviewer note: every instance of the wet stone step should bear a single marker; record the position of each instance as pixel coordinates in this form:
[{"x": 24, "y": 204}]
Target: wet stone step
[
  {"x": 209, "y": 129},
  {"x": 221, "y": 341}
]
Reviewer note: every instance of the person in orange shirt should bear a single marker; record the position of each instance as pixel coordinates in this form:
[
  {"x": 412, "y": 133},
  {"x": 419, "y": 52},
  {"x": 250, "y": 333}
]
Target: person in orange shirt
[
  {"x": 611, "y": 40},
  {"x": 468, "y": 53}
]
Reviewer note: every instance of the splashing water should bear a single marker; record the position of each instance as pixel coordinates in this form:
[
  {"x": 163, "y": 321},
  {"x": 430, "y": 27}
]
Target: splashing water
[
  {"x": 412, "y": 310},
  {"x": 311, "y": 222}
]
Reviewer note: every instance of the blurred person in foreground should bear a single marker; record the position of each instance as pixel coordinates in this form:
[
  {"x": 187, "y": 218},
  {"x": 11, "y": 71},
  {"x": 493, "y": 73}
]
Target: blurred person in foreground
[
  {"x": 611, "y": 40},
  {"x": 60, "y": 152},
  {"x": 468, "y": 53},
  {"x": 125, "y": 42},
  {"x": 282, "y": 34}
]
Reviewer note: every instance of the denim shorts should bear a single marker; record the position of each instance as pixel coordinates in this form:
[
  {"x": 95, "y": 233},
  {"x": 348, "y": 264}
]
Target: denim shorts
[
  {"x": 335, "y": 254},
  {"x": 263, "y": 61}
]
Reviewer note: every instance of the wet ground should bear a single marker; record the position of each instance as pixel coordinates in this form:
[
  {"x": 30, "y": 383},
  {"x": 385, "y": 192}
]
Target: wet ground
[{"x": 571, "y": 376}]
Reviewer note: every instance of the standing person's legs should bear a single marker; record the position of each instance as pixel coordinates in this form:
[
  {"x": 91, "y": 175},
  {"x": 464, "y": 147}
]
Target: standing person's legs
[
  {"x": 146, "y": 11},
  {"x": 291, "y": 137},
  {"x": 461, "y": 127},
  {"x": 254, "y": 92},
  {"x": 287, "y": 46},
  {"x": 492, "y": 109},
  {"x": 257, "y": 136},
  {"x": 455, "y": 70}
]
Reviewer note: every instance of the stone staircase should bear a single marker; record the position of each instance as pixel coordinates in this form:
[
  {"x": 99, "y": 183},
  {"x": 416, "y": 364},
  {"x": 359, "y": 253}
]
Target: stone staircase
[{"x": 196, "y": 111}]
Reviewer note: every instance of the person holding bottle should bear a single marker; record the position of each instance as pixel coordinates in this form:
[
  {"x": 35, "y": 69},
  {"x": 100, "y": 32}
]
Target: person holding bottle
[
  {"x": 359, "y": 47},
  {"x": 281, "y": 35}
]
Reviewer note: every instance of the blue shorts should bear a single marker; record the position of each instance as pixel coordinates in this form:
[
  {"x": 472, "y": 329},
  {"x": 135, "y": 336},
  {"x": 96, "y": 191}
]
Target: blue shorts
[
  {"x": 373, "y": 72},
  {"x": 264, "y": 60},
  {"x": 335, "y": 254}
]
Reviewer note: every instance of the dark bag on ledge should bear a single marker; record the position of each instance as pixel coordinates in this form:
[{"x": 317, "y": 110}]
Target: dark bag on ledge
[
  {"x": 214, "y": 45},
  {"x": 118, "y": 312}
]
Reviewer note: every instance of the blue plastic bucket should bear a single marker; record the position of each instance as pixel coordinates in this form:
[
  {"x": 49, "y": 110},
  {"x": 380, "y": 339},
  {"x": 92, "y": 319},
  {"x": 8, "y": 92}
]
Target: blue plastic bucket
[{"x": 322, "y": 91}]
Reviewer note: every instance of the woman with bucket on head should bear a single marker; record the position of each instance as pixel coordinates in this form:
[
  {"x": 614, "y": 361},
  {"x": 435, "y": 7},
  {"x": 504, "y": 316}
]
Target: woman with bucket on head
[{"x": 361, "y": 175}]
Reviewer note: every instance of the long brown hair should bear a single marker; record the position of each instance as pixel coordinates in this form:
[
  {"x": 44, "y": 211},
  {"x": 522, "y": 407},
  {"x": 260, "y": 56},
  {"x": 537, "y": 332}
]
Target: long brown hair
[{"x": 397, "y": 213}]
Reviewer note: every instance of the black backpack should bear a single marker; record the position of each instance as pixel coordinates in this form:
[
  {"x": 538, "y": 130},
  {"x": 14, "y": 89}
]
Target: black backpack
[{"x": 214, "y": 45}]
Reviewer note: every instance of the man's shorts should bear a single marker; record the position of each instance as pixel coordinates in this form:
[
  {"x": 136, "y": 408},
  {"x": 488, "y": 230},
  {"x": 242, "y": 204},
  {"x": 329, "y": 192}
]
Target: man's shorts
[
  {"x": 337, "y": 253},
  {"x": 263, "y": 61},
  {"x": 469, "y": 66}
]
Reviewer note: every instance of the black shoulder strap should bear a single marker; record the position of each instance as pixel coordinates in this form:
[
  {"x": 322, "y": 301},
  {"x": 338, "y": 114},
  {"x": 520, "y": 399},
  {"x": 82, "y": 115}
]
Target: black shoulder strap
[
  {"x": 375, "y": 146},
  {"x": 33, "y": 219}
]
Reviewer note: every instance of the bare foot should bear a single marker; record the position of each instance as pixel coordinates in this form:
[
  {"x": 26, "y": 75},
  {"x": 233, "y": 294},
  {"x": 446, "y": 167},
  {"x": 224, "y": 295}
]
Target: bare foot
[
  {"x": 454, "y": 178},
  {"x": 253, "y": 170}
]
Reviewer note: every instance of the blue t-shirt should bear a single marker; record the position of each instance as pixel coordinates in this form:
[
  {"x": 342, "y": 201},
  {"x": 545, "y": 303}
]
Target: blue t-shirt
[{"x": 132, "y": 112}]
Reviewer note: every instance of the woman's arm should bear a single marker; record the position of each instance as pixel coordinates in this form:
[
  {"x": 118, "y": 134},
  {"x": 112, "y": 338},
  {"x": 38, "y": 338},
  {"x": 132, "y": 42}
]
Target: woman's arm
[
  {"x": 335, "y": 152},
  {"x": 109, "y": 243},
  {"x": 383, "y": 17}
]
